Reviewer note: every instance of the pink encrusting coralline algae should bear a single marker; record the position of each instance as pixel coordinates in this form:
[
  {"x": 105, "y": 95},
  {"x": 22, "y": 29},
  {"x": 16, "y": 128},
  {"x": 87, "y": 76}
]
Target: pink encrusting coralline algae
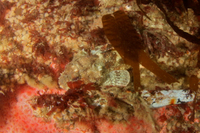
[{"x": 17, "y": 116}]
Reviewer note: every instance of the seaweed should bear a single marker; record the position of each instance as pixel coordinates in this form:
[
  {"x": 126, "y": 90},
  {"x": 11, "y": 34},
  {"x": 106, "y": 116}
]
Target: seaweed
[
  {"x": 143, "y": 12},
  {"x": 77, "y": 93},
  {"x": 179, "y": 7},
  {"x": 180, "y": 32},
  {"x": 198, "y": 56},
  {"x": 193, "y": 82},
  {"x": 126, "y": 41}
]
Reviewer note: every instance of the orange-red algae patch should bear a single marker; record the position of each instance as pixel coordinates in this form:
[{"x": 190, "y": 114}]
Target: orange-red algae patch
[
  {"x": 17, "y": 113},
  {"x": 172, "y": 101}
]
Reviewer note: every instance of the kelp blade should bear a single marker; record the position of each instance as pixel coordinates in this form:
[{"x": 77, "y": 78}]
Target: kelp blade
[
  {"x": 193, "y": 82},
  {"x": 125, "y": 39},
  {"x": 116, "y": 33},
  {"x": 149, "y": 64},
  {"x": 111, "y": 30}
]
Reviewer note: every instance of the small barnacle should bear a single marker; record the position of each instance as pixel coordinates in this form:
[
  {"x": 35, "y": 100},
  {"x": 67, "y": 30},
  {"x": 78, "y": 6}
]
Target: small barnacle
[{"x": 119, "y": 78}]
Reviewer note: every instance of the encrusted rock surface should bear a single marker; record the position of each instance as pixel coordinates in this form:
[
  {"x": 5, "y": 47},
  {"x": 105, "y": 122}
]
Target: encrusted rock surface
[{"x": 60, "y": 49}]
